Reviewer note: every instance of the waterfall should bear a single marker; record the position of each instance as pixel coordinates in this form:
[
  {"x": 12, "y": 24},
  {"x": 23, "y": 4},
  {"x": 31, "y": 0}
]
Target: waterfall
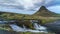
[
  {"x": 36, "y": 26},
  {"x": 17, "y": 28},
  {"x": 24, "y": 29},
  {"x": 39, "y": 27},
  {"x": 3, "y": 22}
]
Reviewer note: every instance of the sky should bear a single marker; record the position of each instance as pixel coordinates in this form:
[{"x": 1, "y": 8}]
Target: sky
[{"x": 28, "y": 6}]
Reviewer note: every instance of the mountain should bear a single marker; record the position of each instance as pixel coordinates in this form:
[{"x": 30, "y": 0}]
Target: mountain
[
  {"x": 41, "y": 15},
  {"x": 43, "y": 11}
]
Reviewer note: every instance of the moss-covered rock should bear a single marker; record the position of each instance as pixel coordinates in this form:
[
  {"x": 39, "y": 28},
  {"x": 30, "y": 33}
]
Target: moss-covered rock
[{"x": 25, "y": 23}]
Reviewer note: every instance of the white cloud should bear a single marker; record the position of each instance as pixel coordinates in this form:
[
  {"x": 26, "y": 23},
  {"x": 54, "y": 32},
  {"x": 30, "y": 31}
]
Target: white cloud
[
  {"x": 48, "y": 1},
  {"x": 27, "y": 4},
  {"x": 54, "y": 8}
]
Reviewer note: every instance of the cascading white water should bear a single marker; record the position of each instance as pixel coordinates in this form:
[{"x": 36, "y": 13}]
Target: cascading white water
[
  {"x": 20, "y": 29},
  {"x": 17, "y": 28},
  {"x": 36, "y": 26},
  {"x": 3, "y": 22},
  {"x": 39, "y": 27},
  {"x": 24, "y": 29}
]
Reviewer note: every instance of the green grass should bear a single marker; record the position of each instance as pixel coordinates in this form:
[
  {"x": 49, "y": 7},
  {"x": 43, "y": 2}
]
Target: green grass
[
  {"x": 5, "y": 27},
  {"x": 34, "y": 33}
]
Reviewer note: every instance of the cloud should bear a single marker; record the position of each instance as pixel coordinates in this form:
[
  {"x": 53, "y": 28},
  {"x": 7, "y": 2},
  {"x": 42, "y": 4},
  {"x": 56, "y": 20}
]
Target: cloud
[
  {"x": 13, "y": 10},
  {"x": 54, "y": 8},
  {"x": 20, "y": 5},
  {"x": 29, "y": 6},
  {"x": 49, "y": 3}
]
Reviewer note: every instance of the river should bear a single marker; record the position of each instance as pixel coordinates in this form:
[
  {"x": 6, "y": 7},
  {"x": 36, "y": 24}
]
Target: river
[
  {"x": 15, "y": 27},
  {"x": 52, "y": 27},
  {"x": 7, "y": 32}
]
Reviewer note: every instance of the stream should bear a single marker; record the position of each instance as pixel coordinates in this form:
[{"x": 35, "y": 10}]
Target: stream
[
  {"x": 15, "y": 27},
  {"x": 53, "y": 27}
]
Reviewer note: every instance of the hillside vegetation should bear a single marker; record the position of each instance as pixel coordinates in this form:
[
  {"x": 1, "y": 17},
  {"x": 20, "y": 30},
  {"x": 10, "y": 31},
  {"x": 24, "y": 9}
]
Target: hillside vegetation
[{"x": 44, "y": 14}]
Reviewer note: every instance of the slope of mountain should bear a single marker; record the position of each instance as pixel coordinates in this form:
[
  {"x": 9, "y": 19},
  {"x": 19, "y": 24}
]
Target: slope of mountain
[{"x": 44, "y": 12}]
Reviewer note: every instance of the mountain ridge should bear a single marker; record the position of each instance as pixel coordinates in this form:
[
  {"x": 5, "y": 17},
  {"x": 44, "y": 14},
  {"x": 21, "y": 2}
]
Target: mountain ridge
[{"x": 43, "y": 11}]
